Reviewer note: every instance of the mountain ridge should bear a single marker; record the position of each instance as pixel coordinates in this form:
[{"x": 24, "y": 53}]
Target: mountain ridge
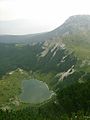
[{"x": 74, "y": 24}]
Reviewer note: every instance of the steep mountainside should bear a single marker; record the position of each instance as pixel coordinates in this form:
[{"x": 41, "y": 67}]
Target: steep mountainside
[{"x": 61, "y": 58}]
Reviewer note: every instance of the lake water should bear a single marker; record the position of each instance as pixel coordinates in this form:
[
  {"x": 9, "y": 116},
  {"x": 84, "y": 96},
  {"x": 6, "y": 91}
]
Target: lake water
[{"x": 34, "y": 91}]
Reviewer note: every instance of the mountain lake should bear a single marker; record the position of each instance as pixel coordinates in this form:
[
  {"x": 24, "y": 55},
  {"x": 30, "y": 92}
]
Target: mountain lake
[{"x": 35, "y": 91}]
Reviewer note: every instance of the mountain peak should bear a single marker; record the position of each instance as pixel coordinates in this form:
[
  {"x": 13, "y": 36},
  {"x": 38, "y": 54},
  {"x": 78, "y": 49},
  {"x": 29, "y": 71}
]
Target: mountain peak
[
  {"x": 78, "y": 19},
  {"x": 74, "y": 24}
]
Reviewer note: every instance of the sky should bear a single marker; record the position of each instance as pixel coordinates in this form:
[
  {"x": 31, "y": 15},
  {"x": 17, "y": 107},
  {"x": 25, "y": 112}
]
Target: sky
[{"x": 45, "y": 14}]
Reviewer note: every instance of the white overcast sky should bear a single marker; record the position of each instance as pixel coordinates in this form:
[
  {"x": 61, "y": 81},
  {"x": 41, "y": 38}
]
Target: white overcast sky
[{"x": 49, "y": 13}]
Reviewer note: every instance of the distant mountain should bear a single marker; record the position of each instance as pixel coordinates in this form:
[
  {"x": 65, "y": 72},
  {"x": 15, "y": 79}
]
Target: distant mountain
[
  {"x": 79, "y": 24},
  {"x": 20, "y": 27}
]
